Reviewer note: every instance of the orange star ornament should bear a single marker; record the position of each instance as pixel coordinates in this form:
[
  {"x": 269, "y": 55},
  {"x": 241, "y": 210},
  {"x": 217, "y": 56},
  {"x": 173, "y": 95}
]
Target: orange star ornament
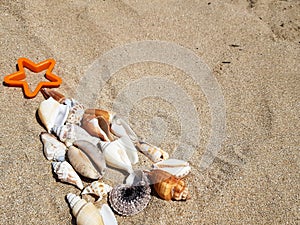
[{"x": 17, "y": 79}]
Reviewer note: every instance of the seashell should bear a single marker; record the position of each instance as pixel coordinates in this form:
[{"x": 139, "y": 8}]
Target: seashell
[
  {"x": 86, "y": 213},
  {"x": 53, "y": 148},
  {"x": 51, "y": 113},
  {"x": 108, "y": 116},
  {"x": 47, "y": 92},
  {"x": 96, "y": 126},
  {"x": 176, "y": 167},
  {"x": 81, "y": 163},
  {"x": 76, "y": 112},
  {"x": 94, "y": 154},
  {"x": 107, "y": 215},
  {"x": 128, "y": 200},
  {"x": 130, "y": 149},
  {"x": 115, "y": 155},
  {"x": 66, "y": 173},
  {"x": 97, "y": 188},
  {"x": 154, "y": 153},
  {"x": 168, "y": 186},
  {"x": 69, "y": 133},
  {"x": 136, "y": 177},
  {"x": 120, "y": 128}
]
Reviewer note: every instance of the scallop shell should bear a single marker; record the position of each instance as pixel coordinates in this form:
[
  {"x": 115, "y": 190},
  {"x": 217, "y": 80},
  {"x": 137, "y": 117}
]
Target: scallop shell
[
  {"x": 69, "y": 133},
  {"x": 96, "y": 126},
  {"x": 66, "y": 173},
  {"x": 52, "y": 114},
  {"x": 81, "y": 163},
  {"x": 116, "y": 156},
  {"x": 154, "y": 153},
  {"x": 129, "y": 200},
  {"x": 97, "y": 188},
  {"x": 176, "y": 167},
  {"x": 168, "y": 186},
  {"x": 86, "y": 213},
  {"x": 53, "y": 148}
]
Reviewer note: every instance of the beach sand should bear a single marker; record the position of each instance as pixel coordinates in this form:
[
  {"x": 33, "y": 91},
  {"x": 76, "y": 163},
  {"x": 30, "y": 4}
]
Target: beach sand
[{"x": 253, "y": 51}]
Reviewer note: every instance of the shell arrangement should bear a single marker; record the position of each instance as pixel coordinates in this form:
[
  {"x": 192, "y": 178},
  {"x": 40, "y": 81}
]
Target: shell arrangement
[{"x": 82, "y": 142}]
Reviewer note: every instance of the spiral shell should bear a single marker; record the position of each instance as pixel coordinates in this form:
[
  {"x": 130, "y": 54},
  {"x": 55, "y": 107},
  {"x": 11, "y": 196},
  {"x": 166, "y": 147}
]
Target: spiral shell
[
  {"x": 154, "y": 153},
  {"x": 53, "y": 148},
  {"x": 176, "y": 167},
  {"x": 128, "y": 200},
  {"x": 168, "y": 186},
  {"x": 66, "y": 173}
]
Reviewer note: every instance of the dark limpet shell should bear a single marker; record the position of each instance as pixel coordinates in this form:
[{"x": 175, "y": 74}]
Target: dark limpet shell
[{"x": 128, "y": 200}]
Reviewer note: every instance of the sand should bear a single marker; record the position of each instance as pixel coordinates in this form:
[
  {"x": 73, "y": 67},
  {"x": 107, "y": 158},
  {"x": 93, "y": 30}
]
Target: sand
[{"x": 252, "y": 49}]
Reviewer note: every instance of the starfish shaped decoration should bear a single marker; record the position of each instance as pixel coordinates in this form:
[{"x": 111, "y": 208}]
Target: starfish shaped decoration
[{"x": 17, "y": 79}]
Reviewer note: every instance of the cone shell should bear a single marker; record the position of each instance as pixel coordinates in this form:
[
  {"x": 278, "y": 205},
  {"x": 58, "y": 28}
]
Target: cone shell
[
  {"x": 176, "y": 167},
  {"x": 81, "y": 163},
  {"x": 97, "y": 188},
  {"x": 168, "y": 186},
  {"x": 66, "y": 173},
  {"x": 86, "y": 213},
  {"x": 53, "y": 148},
  {"x": 52, "y": 114},
  {"x": 154, "y": 153}
]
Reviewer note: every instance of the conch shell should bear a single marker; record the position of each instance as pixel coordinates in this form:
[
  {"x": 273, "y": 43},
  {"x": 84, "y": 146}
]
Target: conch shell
[
  {"x": 53, "y": 148},
  {"x": 97, "y": 188},
  {"x": 176, "y": 167},
  {"x": 66, "y": 173},
  {"x": 81, "y": 163},
  {"x": 86, "y": 213},
  {"x": 154, "y": 153},
  {"x": 52, "y": 113},
  {"x": 168, "y": 186}
]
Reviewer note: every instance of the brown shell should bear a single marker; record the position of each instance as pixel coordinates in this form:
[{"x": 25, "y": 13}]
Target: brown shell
[
  {"x": 99, "y": 112},
  {"x": 47, "y": 92},
  {"x": 168, "y": 186}
]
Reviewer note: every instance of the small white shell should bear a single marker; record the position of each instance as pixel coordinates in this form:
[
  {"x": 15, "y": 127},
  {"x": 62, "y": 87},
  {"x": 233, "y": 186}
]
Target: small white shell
[
  {"x": 130, "y": 149},
  {"x": 116, "y": 156},
  {"x": 120, "y": 128},
  {"x": 107, "y": 215},
  {"x": 176, "y": 167},
  {"x": 66, "y": 173},
  {"x": 98, "y": 188},
  {"x": 53, "y": 148},
  {"x": 154, "y": 153},
  {"x": 52, "y": 113}
]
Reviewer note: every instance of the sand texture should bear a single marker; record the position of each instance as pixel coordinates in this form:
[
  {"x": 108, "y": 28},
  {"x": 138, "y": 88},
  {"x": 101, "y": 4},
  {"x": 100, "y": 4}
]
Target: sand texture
[{"x": 252, "y": 49}]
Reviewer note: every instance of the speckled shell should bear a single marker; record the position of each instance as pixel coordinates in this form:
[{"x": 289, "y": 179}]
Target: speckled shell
[
  {"x": 76, "y": 112},
  {"x": 86, "y": 213},
  {"x": 176, "y": 167},
  {"x": 53, "y": 148},
  {"x": 97, "y": 188},
  {"x": 155, "y": 154},
  {"x": 66, "y": 173},
  {"x": 168, "y": 186},
  {"x": 128, "y": 200},
  {"x": 81, "y": 163}
]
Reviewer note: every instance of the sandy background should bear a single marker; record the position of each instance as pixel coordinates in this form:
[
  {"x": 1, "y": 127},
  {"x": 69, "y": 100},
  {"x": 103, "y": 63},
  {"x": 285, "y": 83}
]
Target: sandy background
[{"x": 255, "y": 178}]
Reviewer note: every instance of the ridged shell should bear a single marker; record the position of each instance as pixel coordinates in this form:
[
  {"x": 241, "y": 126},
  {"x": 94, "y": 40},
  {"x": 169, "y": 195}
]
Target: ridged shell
[
  {"x": 86, "y": 213},
  {"x": 81, "y": 163},
  {"x": 176, "y": 167},
  {"x": 168, "y": 186},
  {"x": 66, "y": 173},
  {"x": 52, "y": 113},
  {"x": 53, "y": 148},
  {"x": 154, "y": 153},
  {"x": 97, "y": 188},
  {"x": 128, "y": 200}
]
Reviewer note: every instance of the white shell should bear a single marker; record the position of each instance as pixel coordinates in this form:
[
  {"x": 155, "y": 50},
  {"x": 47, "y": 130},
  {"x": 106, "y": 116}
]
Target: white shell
[
  {"x": 52, "y": 113},
  {"x": 130, "y": 149},
  {"x": 53, "y": 148},
  {"x": 69, "y": 133},
  {"x": 154, "y": 153},
  {"x": 86, "y": 213},
  {"x": 120, "y": 128},
  {"x": 66, "y": 173},
  {"x": 176, "y": 167},
  {"x": 97, "y": 188},
  {"x": 107, "y": 215},
  {"x": 116, "y": 156},
  {"x": 81, "y": 163},
  {"x": 76, "y": 112}
]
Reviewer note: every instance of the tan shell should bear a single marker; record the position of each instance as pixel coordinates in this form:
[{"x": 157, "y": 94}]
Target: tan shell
[
  {"x": 168, "y": 186},
  {"x": 81, "y": 163},
  {"x": 154, "y": 153},
  {"x": 97, "y": 188},
  {"x": 99, "y": 112}
]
